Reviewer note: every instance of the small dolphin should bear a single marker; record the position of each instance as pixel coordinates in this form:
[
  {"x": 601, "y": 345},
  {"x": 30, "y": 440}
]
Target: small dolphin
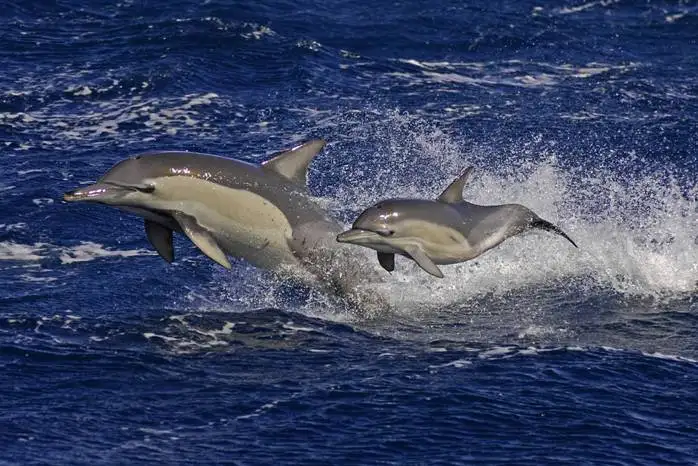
[
  {"x": 446, "y": 231},
  {"x": 261, "y": 213}
]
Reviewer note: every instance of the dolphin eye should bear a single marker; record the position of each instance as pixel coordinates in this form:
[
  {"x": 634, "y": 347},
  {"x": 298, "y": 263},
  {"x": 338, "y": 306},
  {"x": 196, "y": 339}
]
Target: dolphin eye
[
  {"x": 386, "y": 232},
  {"x": 146, "y": 189}
]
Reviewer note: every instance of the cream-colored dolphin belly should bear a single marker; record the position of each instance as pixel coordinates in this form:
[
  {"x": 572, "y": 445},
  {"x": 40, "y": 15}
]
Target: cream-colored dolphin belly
[
  {"x": 442, "y": 244},
  {"x": 244, "y": 224}
]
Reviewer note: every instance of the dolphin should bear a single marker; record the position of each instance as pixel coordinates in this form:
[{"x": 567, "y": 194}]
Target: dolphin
[
  {"x": 262, "y": 213},
  {"x": 445, "y": 231}
]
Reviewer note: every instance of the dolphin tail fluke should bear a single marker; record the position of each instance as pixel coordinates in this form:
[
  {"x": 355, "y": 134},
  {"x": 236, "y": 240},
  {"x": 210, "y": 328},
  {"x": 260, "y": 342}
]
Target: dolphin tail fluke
[{"x": 547, "y": 226}]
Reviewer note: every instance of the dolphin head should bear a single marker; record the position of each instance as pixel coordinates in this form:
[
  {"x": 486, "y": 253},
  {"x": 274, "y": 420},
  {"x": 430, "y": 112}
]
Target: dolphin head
[
  {"x": 128, "y": 183},
  {"x": 390, "y": 226},
  {"x": 376, "y": 227},
  {"x": 409, "y": 227}
]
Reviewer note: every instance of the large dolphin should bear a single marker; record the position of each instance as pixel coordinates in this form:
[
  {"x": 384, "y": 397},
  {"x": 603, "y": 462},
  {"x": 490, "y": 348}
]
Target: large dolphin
[
  {"x": 262, "y": 213},
  {"x": 445, "y": 231}
]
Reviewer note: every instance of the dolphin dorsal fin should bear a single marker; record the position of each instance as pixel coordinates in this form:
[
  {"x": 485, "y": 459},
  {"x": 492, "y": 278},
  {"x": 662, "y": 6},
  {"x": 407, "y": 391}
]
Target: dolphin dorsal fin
[
  {"x": 454, "y": 192},
  {"x": 293, "y": 164}
]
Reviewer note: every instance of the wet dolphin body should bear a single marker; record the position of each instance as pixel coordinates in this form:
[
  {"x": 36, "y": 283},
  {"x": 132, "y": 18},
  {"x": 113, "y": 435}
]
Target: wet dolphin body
[
  {"x": 262, "y": 213},
  {"x": 445, "y": 231}
]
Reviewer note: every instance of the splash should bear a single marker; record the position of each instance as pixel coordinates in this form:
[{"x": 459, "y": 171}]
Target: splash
[{"x": 636, "y": 231}]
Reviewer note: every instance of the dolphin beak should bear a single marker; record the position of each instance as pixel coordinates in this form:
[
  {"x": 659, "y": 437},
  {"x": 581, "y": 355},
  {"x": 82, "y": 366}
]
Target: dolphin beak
[
  {"x": 97, "y": 192},
  {"x": 356, "y": 236}
]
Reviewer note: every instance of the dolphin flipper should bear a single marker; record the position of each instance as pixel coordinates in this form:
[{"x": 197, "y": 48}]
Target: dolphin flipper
[
  {"x": 422, "y": 260},
  {"x": 293, "y": 164},
  {"x": 201, "y": 238},
  {"x": 387, "y": 261},
  {"x": 454, "y": 192},
  {"x": 161, "y": 239}
]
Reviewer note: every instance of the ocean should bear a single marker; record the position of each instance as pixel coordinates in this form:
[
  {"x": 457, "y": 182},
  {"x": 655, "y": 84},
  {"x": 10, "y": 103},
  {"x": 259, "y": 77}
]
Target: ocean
[{"x": 533, "y": 353}]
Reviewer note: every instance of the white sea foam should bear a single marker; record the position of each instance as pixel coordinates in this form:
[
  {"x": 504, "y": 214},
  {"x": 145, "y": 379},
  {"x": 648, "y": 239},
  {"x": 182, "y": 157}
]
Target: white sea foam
[
  {"x": 261, "y": 410},
  {"x": 13, "y": 226},
  {"x": 80, "y": 90},
  {"x": 653, "y": 354},
  {"x": 83, "y": 252},
  {"x": 675, "y": 17},
  {"x": 257, "y": 32},
  {"x": 567, "y": 10},
  {"x": 12, "y": 251},
  {"x": 195, "y": 338},
  {"x": 506, "y": 352},
  {"x": 32, "y": 170},
  {"x": 671, "y": 357},
  {"x": 458, "y": 364},
  {"x": 87, "y": 251},
  {"x": 515, "y": 73},
  {"x": 29, "y": 278},
  {"x": 150, "y": 335}
]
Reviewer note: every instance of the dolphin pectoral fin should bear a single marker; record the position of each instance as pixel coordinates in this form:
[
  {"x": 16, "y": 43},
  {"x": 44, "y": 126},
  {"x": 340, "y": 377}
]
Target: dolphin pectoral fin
[
  {"x": 161, "y": 239},
  {"x": 547, "y": 226},
  {"x": 293, "y": 164},
  {"x": 454, "y": 192},
  {"x": 387, "y": 261},
  {"x": 422, "y": 260},
  {"x": 201, "y": 238}
]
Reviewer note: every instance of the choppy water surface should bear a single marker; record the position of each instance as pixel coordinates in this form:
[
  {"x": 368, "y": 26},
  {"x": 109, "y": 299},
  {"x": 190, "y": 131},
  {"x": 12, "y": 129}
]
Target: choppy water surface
[{"x": 534, "y": 353}]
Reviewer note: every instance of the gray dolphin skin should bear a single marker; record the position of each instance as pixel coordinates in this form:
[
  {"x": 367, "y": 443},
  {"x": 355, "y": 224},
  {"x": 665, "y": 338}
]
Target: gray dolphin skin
[
  {"x": 262, "y": 213},
  {"x": 445, "y": 231}
]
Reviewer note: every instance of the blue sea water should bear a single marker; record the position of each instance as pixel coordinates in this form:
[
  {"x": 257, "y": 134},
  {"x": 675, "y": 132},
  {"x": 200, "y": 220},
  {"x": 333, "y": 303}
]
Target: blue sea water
[{"x": 535, "y": 353}]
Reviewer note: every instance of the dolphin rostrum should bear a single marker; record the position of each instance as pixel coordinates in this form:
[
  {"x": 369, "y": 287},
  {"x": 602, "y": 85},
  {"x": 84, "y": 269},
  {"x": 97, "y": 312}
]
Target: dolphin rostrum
[
  {"x": 261, "y": 213},
  {"x": 445, "y": 231}
]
